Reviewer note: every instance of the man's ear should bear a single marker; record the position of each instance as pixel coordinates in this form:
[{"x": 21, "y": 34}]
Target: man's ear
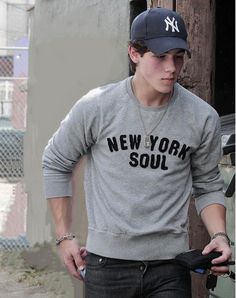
[{"x": 134, "y": 55}]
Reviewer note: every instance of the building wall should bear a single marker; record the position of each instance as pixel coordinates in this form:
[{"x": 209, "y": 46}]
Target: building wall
[
  {"x": 75, "y": 46},
  {"x": 13, "y": 20},
  {"x": 3, "y": 23}
]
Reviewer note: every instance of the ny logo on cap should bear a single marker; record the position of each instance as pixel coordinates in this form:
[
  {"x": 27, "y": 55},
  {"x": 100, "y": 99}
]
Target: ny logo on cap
[{"x": 173, "y": 24}]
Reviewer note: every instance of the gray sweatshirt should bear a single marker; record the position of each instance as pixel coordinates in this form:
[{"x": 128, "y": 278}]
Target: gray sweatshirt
[{"x": 137, "y": 198}]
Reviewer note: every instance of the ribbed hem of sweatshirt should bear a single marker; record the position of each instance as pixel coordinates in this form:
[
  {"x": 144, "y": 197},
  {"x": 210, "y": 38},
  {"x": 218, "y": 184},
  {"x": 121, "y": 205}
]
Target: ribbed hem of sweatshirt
[
  {"x": 205, "y": 200},
  {"x": 57, "y": 187},
  {"x": 156, "y": 246}
]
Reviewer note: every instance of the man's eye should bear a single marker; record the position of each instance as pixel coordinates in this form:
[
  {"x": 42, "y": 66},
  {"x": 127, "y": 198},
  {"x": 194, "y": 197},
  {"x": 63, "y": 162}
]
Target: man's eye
[
  {"x": 159, "y": 56},
  {"x": 179, "y": 56}
]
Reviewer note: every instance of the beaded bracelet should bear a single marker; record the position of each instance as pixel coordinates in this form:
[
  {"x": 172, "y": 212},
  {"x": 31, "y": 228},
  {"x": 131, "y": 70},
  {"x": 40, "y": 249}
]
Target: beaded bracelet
[{"x": 65, "y": 237}]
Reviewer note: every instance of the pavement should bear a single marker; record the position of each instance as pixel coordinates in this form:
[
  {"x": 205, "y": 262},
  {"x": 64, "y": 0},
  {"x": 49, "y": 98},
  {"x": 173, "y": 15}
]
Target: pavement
[{"x": 10, "y": 288}]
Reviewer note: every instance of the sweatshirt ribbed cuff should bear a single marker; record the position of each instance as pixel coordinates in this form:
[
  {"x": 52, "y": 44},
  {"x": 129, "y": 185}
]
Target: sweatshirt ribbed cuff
[
  {"x": 205, "y": 200},
  {"x": 59, "y": 187}
]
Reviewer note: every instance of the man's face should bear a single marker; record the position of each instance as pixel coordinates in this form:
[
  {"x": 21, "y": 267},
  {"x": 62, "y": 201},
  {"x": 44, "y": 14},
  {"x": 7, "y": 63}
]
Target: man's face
[{"x": 159, "y": 72}]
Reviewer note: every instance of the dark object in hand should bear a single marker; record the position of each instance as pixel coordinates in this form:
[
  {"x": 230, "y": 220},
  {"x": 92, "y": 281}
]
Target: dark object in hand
[
  {"x": 194, "y": 260},
  {"x": 211, "y": 282}
]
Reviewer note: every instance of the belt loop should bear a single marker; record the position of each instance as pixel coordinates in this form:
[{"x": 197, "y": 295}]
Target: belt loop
[{"x": 145, "y": 267}]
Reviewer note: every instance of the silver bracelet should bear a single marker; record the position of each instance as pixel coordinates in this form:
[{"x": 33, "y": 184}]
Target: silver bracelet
[
  {"x": 223, "y": 235},
  {"x": 69, "y": 236}
]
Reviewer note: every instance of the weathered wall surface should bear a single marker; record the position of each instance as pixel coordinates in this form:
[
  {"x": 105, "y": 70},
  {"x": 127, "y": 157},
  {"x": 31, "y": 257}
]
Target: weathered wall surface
[
  {"x": 198, "y": 73},
  {"x": 75, "y": 46}
]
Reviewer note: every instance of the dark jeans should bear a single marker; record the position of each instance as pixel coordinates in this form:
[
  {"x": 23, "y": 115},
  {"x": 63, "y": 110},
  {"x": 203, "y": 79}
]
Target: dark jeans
[{"x": 113, "y": 278}]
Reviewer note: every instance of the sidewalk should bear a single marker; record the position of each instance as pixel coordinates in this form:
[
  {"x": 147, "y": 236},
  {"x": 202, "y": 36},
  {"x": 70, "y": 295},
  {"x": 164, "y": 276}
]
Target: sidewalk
[
  {"x": 10, "y": 288},
  {"x": 33, "y": 273}
]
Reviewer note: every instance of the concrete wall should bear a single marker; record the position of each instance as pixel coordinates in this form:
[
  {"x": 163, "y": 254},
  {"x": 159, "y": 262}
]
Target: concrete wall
[
  {"x": 75, "y": 46},
  {"x": 13, "y": 21},
  {"x": 3, "y": 24}
]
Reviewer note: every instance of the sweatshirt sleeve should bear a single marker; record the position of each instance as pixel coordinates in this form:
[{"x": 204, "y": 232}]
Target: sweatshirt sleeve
[
  {"x": 207, "y": 181},
  {"x": 76, "y": 134}
]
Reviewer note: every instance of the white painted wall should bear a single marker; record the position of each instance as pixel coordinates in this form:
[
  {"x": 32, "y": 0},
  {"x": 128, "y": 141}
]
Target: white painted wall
[
  {"x": 13, "y": 21},
  {"x": 3, "y": 24},
  {"x": 75, "y": 46}
]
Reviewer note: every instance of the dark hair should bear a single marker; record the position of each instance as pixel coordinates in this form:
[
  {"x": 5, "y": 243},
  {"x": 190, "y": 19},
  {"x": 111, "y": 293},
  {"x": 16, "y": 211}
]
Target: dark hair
[{"x": 141, "y": 49}]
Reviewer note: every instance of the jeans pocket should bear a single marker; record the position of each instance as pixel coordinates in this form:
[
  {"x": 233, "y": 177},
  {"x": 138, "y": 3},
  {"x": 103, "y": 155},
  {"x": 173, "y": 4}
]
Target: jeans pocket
[{"x": 94, "y": 261}]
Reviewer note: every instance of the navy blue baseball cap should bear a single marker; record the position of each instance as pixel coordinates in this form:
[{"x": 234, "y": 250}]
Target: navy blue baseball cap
[{"x": 160, "y": 30}]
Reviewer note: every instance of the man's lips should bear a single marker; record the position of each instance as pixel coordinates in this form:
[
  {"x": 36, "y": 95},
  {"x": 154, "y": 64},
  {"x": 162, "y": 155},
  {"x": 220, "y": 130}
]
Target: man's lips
[{"x": 168, "y": 79}]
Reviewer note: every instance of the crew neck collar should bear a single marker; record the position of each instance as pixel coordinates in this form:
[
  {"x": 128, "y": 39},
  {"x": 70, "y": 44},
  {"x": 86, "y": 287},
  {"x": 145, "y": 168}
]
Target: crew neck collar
[{"x": 142, "y": 106}]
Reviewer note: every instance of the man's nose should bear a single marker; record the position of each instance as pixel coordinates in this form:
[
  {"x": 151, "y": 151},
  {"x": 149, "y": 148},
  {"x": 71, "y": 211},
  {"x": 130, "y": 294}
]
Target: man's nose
[{"x": 170, "y": 65}]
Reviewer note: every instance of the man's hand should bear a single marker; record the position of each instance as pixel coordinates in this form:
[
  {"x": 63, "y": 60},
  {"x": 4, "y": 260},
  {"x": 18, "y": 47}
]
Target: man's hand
[
  {"x": 73, "y": 256},
  {"x": 219, "y": 244},
  {"x": 213, "y": 217}
]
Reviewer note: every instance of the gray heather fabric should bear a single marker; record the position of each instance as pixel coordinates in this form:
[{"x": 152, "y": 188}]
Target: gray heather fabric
[{"x": 137, "y": 198}]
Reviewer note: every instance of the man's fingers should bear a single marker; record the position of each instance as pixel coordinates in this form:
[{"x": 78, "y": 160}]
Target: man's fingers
[
  {"x": 71, "y": 267},
  {"x": 83, "y": 252},
  {"x": 219, "y": 260},
  {"x": 79, "y": 262},
  {"x": 226, "y": 255},
  {"x": 73, "y": 257},
  {"x": 220, "y": 270},
  {"x": 210, "y": 247}
]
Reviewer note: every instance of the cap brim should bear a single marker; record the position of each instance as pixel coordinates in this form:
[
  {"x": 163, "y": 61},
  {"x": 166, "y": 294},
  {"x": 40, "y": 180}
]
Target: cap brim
[{"x": 161, "y": 45}]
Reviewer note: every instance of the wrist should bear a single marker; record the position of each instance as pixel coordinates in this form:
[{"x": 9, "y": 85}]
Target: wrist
[
  {"x": 66, "y": 236},
  {"x": 221, "y": 234},
  {"x": 61, "y": 231}
]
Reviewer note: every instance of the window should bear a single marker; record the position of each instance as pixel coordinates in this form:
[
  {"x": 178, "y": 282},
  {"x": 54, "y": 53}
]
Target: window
[
  {"x": 6, "y": 66},
  {"x": 6, "y": 94}
]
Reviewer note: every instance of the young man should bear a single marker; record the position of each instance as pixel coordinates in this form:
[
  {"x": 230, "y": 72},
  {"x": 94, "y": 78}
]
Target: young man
[{"x": 148, "y": 142}]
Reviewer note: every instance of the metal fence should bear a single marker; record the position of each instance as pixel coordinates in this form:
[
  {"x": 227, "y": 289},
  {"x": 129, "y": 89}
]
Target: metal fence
[{"x": 13, "y": 105}]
